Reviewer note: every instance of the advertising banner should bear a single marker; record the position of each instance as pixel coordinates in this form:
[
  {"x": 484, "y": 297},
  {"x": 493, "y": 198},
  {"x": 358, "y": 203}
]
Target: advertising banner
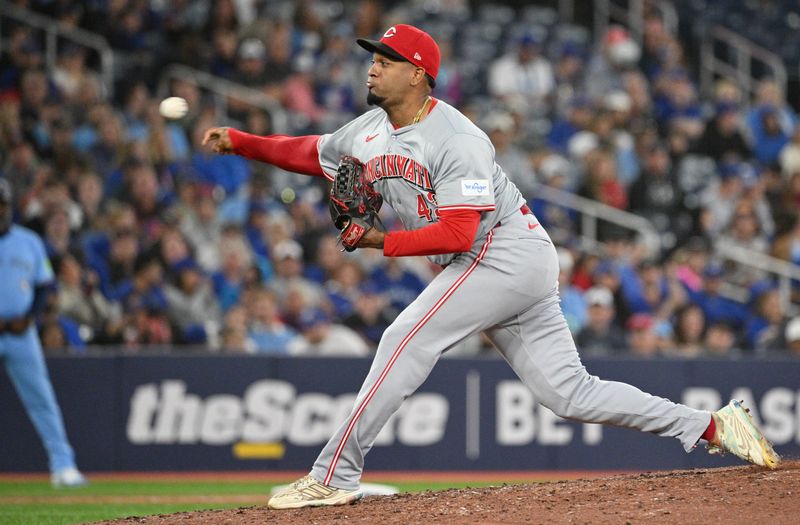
[{"x": 131, "y": 413}]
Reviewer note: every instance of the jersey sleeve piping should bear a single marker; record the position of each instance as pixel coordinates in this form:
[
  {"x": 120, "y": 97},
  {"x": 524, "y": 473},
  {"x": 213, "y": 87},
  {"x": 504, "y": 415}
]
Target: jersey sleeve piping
[
  {"x": 324, "y": 172},
  {"x": 472, "y": 207}
]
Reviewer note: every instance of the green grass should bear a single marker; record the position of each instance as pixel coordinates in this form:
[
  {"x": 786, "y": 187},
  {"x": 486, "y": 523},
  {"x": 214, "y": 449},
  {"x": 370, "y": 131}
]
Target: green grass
[
  {"x": 45, "y": 511},
  {"x": 64, "y": 514}
]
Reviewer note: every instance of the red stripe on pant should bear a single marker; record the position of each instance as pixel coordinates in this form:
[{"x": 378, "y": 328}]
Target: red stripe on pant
[{"x": 397, "y": 353}]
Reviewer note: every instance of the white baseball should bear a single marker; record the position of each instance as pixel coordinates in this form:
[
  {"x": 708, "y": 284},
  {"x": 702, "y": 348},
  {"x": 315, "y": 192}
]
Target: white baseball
[{"x": 173, "y": 107}]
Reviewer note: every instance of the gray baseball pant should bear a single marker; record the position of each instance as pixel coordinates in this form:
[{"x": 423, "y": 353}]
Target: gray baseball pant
[{"x": 507, "y": 287}]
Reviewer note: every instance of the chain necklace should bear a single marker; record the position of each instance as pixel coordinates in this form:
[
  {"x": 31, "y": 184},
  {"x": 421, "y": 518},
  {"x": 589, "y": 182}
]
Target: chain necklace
[{"x": 421, "y": 111}]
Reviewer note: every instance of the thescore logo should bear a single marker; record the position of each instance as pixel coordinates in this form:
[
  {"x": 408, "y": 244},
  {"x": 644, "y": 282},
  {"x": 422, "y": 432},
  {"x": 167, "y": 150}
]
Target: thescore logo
[{"x": 269, "y": 411}]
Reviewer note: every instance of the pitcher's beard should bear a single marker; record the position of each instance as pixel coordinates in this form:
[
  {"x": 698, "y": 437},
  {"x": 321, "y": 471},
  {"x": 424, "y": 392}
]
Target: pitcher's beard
[{"x": 375, "y": 100}]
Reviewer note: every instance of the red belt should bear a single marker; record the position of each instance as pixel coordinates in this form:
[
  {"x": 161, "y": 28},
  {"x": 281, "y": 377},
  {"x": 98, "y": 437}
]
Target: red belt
[{"x": 522, "y": 209}]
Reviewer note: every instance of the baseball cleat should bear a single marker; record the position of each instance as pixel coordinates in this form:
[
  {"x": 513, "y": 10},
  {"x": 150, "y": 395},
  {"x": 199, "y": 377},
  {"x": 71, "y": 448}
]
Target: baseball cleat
[
  {"x": 68, "y": 478},
  {"x": 308, "y": 492},
  {"x": 737, "y": 433}
]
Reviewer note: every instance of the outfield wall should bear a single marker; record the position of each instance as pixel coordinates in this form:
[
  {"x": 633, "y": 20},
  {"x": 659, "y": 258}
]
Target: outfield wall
[{"x": 162, "y": 413}]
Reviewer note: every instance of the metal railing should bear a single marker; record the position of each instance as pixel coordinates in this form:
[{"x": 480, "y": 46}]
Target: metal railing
[
  {"x": 784, "y": 271},
  {"x": 592, "y": 211},
  {"x": 224, "y": 89},
  {"x": 739, "y": 67},
  {"x": 54, "y": 30},
  {"x": 631, "y": 16}
]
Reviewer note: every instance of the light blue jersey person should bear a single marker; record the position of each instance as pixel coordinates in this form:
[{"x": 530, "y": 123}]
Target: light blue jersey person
[{"x": 26, "y": 272}]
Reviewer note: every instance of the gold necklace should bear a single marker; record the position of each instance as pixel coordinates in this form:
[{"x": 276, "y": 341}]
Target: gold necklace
[{"x": 421, "y": 110}]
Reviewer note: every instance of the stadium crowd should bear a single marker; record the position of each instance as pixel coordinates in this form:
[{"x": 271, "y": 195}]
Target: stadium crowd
[{"x": 158, "y": 243}]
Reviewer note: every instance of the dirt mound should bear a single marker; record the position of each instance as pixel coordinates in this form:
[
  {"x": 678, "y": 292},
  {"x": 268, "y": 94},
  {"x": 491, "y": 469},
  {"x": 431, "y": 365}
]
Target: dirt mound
[{"x": 722, "y": 495}]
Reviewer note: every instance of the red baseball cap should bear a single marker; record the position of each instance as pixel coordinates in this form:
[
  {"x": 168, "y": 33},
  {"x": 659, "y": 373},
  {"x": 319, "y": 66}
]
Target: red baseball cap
[{"x": 405, "y": 42}]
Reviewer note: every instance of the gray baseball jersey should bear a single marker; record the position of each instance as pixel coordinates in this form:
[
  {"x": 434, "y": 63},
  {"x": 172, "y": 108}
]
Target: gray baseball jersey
[
  {"x": 505, "y": 286},
  {"x": 443, "y": 163}
]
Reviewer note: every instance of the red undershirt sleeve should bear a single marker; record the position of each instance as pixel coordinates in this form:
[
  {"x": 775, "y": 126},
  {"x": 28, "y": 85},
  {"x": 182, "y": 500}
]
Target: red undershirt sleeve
[
  {"x": 295, "y": 154},
  {"x": 454, "y": 233}
]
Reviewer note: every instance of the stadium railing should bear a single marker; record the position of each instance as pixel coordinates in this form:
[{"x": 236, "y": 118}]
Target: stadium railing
[
  {"x": 594, "y": 211},
  {"x": 223, "y": 90},
  {"x": 725, "y": 53},
  {"x": 54, "y": 30},
  {"x": 631, "y": 15}
]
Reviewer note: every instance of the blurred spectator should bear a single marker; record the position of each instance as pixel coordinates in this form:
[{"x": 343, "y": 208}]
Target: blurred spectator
[
  {"x": 692, "y": 259},
  {"x": 560, "y": 221},
  {"x": 234, "y": 336},
  {"x": 722, "y": 137},
  {"x": 115, "y": 268},
  {"x": 449, "y": 78},
  {"x": 501, "y": 128},
  {"x": 601, "y": 182},
  {"x": 203, "y": 228},
  {"x": 690, "y": 327},
  {"x": 720, "y": 199},
  {"x": 80, "y": 300},
  {"x": 600, "y": 335},
  {"x": 642, "y": 337},
  {"x": 675, "y": 103},
  {"x": 572, "y": 301},
  {"x": 287, "y": 258},
  {"x": 400, "y": 284},
  {"x": 328, "y": 257},
  {"x": 192, "y": 306},
  {"x": 719, "y": 340},
  {"x": 618, "y": 106},
  {"x": 770, "y": 120},
  {"x": 657, "y": 196},
  {"x": 578, "y": 117},
  {"x": 229, "y": 280},
  {"x": 764, "y": 329},
  {"x": 651, "y": 289},
  {"x": 268, "y": 333},
  {"x": 524, "y": 74},
  {"x": 769, "y": 137},
  {"x": 321, "y": 337},
  {"x": 71, "y": 73},
  {"x": 343, "y": 288},
  {"x": 370, "y": 315},
  {"x": 228, "y": 172},
  {"x": 744, "y": 232},
  {"x": 716, "y": 307},
  {"x": 619, "y": 53}
]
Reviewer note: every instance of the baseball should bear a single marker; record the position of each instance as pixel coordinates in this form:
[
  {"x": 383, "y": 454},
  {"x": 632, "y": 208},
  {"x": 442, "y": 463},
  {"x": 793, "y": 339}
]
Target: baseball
[{"x": 173, "y": 107}]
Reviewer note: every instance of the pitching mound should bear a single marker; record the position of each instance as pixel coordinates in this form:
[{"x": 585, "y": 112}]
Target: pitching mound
[{"x": 723, "y": 495}]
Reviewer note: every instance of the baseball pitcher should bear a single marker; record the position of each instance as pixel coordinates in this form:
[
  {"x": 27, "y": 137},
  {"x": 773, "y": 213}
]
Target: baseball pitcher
[{"x": 437, "y": 170}]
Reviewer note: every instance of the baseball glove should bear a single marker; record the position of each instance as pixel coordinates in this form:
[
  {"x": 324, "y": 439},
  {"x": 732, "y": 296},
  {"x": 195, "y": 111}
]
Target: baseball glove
[{"x": 354, "y": 204}]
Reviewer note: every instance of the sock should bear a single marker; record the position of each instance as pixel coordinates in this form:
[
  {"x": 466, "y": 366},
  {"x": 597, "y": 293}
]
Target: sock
[{"x": 708, "y": 435}]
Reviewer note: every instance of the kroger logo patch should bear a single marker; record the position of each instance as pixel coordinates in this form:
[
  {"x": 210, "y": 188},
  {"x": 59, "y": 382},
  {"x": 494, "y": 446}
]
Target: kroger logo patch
[{"x": 474, "y": 187}]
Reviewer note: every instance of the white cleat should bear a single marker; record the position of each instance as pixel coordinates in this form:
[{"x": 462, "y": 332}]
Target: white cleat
[
  {"x": 737, "y": 433},
  {"x": 68, "y": 478},
  {"x": 308, "y": 492}
]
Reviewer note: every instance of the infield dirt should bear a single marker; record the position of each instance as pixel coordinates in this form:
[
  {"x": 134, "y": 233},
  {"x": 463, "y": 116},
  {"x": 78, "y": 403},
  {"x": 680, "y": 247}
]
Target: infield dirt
[{"x": 723, "y": 495}]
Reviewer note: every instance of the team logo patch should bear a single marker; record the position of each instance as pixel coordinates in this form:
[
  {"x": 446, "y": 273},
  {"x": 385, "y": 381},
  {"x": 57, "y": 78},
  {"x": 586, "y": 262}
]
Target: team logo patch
[
  {"x": 474, "y": 187},
  {"x": 390, "y": 32}
]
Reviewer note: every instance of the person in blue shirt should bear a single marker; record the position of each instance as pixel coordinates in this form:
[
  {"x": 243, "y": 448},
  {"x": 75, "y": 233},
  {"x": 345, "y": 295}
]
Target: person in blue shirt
[{"x": 26, "y": 275}]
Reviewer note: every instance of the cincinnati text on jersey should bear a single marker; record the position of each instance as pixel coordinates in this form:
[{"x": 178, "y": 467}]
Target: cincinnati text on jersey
[{"x": 398, "y": 166}]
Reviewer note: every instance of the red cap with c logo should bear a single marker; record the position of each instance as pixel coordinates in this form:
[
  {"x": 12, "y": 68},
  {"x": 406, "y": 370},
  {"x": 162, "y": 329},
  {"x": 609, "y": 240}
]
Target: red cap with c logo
[{"x": 405, "y": 42}]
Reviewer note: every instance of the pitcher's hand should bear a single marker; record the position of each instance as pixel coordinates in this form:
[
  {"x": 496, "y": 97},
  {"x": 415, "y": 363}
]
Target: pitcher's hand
[{"x": 219, "y": 139}]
